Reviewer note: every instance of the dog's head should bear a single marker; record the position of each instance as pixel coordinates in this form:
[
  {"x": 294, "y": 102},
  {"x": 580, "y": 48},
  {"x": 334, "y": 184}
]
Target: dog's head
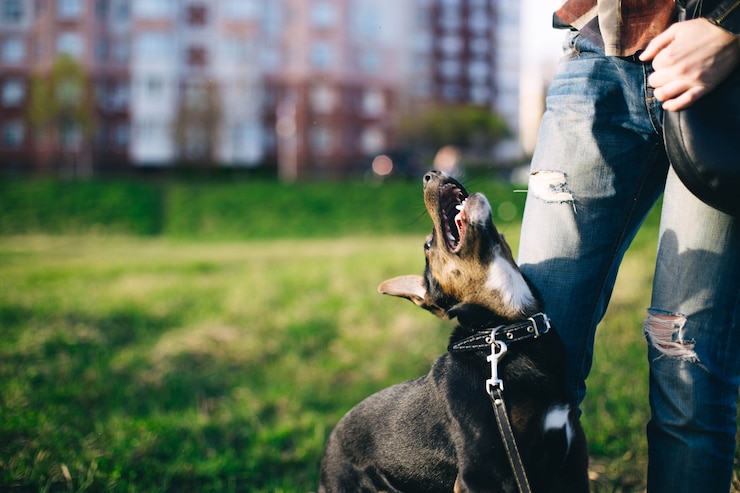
[{"x": 469, "y": 266}]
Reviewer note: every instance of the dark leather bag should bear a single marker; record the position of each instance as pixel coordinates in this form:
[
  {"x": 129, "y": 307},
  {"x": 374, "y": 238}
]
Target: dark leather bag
[{"x": 703, "y": 145}]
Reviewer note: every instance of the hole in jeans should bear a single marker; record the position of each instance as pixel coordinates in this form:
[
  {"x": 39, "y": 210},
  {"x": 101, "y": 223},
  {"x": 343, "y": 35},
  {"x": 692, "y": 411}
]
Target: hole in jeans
[
  {"x": 551, "y": 187},
  {"x": 665, "y": 332}
]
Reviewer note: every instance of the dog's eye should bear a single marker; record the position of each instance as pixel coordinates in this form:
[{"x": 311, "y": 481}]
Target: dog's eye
[{"x": 428, "y": 244}]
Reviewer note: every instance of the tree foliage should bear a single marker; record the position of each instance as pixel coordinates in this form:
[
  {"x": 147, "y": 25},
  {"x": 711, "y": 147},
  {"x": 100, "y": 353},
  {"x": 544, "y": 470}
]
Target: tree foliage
[
  {"x": 197, "y": 123},
  {"x": 473, "y": 129},
  {"x": 62, "y": 112},
  {"x": 62, "y": 96}
]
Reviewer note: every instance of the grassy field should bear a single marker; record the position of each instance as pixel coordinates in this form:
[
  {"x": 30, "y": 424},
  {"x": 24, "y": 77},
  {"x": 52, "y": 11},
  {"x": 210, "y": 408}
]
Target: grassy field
[
  {"x": 225, "y": 210},
  {"x": 166, "y": 363}
]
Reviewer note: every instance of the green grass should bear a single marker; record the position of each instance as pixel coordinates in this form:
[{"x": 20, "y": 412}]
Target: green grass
[
  {"x": 225, "y": 210},
  {"x": 149, "y": 364},
  {"x": 134, "y": 362}
]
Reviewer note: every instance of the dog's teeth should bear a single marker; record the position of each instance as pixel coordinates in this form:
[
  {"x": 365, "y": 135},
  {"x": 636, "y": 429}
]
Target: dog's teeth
[{"x": 460, "y": 207}]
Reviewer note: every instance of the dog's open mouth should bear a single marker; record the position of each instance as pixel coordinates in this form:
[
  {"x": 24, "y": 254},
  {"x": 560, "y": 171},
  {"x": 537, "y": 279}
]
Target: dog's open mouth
[{"x": 452, "y": 197}]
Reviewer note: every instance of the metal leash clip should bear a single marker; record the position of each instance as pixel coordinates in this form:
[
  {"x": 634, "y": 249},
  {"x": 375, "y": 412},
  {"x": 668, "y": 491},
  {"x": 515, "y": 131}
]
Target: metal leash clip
[{"x": 498, "y": 350}]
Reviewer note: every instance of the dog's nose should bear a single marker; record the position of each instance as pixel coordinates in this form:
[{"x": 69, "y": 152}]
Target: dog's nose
[{"x": 428, "y": 176}]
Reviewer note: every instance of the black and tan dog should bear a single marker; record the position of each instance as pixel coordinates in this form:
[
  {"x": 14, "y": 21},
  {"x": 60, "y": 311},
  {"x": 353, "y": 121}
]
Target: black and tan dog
[{"x": 438, "y": 433}]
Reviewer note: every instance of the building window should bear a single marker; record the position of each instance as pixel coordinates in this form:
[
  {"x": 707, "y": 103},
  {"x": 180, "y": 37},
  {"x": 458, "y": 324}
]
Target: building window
[
  {"x": 242, "y": 10},
  {"x": 247, "y": 138},
  {"x": 321, "y": 140},
  {"x": 478, "y": 71},
  {"x": 273, "y": 18},
  {"x": 151, "y": 131},
  {"x": 154, "y": 45},
  {"x": 101, "y": 93},
  {"x": 452, "y": 92},
  {"x": 196, "y": 56},
  {"x": 71, "y": 136},
  {"x": 366, "y": 21},
  {"x": 271, "y": 58},
  {"x": 422, "y": 41},
  {"x": 101, "y": 9},
  {"x": 450, "y": 18},
  {"x": 451, "y": 45},
  {"x": 153, "y": 87},
  {"x": 372, "y": 140},
  {"x": 197, "y": 15},
  {"x": 323, "y": 99},
  {"x": 13, "y": 50},
  {"x": 153, "y": 9},
  {"x": 12, "y": 11},
  {"x": 13, "y": 134},
  {"x": 122, "y": 12},
  {"x": 238, "y": 49},
  {"x": 322, "y": 55},
  {"x": 480, "y": 94},
  {"x": 373, "y": 103},
  {"x": 102, "y": 49},
  {"x": 120, "y": 94},
  {"x": 371, "y": 62},
  {"x": 323, "y": 14},
  {"x": 120, "y": 135},
  {"x": 480, "y": 46},
  {"x": 71, "y": 44},
  {"x": 13, "y": 92},
  {"x": 423, "y": 88},
  {"x": 423, "y": 18},
  {"x": 450, "y": 69},
  {"x": 69, "y": 9},
  {"x": 478, "y": 21},
  {"x": 120, "y": 51}
]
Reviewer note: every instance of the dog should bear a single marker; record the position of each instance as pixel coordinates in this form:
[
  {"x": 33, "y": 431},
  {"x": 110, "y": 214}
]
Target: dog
[{"x": 437, "y": 433}]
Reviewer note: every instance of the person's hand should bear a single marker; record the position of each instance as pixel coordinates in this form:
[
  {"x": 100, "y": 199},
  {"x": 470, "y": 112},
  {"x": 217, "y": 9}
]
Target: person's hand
[{"x": 690, "y": 59}]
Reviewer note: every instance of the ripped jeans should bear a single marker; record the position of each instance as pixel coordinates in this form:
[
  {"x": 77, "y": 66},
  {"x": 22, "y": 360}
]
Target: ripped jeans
[{"x": 598, "y": 168}]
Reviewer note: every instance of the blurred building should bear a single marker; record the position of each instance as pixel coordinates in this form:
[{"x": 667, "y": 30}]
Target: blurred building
[{"x": 313, "y": 87}]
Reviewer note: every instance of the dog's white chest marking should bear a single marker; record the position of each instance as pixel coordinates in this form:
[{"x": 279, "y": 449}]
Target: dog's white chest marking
[
  {"x": 557, "y": 418},
  {"x": 511, "y": 286}
]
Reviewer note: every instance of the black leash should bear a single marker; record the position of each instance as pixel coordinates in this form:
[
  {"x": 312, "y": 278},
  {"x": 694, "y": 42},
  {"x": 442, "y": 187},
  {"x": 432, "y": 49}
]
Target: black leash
[
  {"x": 495, "y": 387},
  {"x": 496, "y": 339}
]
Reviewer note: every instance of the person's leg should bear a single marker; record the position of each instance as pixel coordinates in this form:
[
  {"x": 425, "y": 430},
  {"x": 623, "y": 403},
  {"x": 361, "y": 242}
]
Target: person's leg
[
  {"x": 694, "y": 346},
  {"x": 598, "y": 168}
]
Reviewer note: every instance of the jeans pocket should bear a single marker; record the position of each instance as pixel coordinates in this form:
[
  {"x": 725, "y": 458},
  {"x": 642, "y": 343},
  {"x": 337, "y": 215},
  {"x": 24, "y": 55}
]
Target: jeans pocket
[{"x": 570, "y": 44}]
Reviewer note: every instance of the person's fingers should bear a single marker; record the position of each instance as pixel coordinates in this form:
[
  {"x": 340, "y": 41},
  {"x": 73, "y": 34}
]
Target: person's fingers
[
  {"x": 679, "y": 99},
  {"x": 657, "y": 44}
]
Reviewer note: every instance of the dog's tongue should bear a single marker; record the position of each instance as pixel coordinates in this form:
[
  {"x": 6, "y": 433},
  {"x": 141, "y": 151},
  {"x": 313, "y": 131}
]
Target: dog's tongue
[{"x": 460, "y": 219}]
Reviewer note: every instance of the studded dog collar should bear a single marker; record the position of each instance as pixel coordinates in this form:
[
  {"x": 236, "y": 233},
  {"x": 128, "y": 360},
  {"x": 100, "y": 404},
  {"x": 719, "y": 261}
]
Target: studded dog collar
[{"x": 533, "y": 327}]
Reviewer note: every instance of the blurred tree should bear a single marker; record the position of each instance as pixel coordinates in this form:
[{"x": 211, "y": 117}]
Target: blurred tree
[
  {"x": 62, "y": 111},
  {"x": 475, "y": 130},
  {"x": 197, "y": 124}
]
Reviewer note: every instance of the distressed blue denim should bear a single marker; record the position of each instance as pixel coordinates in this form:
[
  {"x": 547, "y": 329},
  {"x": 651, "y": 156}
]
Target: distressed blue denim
[{"x": 598, "y": 169}]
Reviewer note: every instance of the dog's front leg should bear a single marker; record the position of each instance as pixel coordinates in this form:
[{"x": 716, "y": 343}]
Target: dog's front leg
[{"x": 482, "y": 463}]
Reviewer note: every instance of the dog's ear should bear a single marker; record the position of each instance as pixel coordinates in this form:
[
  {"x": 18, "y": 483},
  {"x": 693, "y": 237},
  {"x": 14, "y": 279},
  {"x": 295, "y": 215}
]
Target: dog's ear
[{"x": 411, "y": 287}]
